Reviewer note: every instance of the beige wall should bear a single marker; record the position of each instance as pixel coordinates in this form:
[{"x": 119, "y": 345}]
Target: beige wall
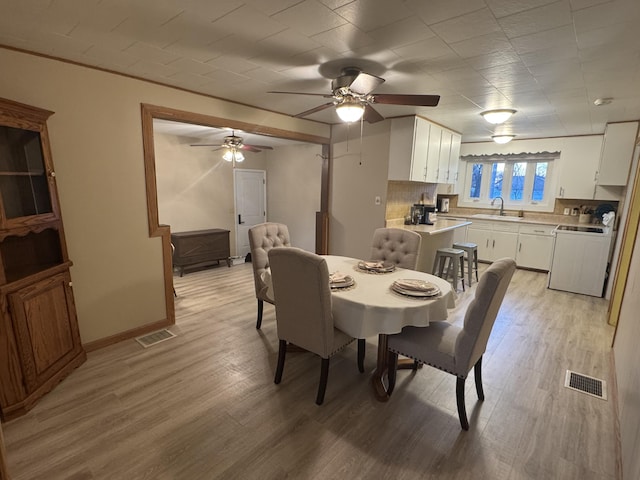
[
  {"x": 294, "y": 175},
  {"x": 359, "y": 174},
  {"x": 195, "y": 185},
  {"x": 96, "y": 141}
]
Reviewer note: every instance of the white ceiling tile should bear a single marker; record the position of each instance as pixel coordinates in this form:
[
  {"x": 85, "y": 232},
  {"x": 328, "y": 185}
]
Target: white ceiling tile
[
  {"x": 403, "y": 32},
  {"x": 115, "y": 41},
  {"x": 471, "y": 25},
  {"x": 502, "y": 8},
  {"x": 192, "y": 66},
  {"x": 333, "y": 4},
  {"x": 225, "y": 76},
  {"x": 268, "y": 7},
  {"x": 143, "y": 68},
  {"x": 150, "y": 53},
  {"x": 607, "y": 14},
  {"x": 309, "y": 18},
  {"x": 371, "y": 14},
  {"x": 551, "y": 54},
  {"x": 494, "y": 59},
  {"x": 484, "y": 45},
  {"x": 344, "y": 38},
  {"x": 537, "y": 20},
  {"x": 248, "y": 24},
  {"x": 544, "y": 40},
  {"x": 111, "y": 59},
  {"x": 580, "y": 4},
  {"x": 231, "y": 64},
  {"x": 435, "y": 11},
  {"x": 433, "y": 47}
]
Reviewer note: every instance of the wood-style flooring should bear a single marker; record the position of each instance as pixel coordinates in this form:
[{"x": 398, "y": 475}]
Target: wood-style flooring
[{"x": 204, "y": 405}]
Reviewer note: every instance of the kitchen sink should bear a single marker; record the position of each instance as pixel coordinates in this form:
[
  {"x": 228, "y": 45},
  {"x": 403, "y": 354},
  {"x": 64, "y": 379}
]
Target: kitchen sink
[{"x": 505, "y": 218}]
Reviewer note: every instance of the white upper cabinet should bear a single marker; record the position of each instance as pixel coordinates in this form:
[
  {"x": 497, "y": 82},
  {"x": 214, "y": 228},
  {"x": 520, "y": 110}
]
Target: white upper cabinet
[
  {"x": 408, "y": 149},
  {"x": 579, "y": 168},
  {"x": 422, "y": 151},
  {"x": 617, "y": 153}
]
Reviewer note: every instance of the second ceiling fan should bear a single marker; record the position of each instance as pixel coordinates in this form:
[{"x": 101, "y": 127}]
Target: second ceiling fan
[{"x": 353, "y": 98}]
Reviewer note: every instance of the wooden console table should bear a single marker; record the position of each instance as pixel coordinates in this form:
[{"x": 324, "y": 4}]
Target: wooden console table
[{"x": 200, "y": 248}]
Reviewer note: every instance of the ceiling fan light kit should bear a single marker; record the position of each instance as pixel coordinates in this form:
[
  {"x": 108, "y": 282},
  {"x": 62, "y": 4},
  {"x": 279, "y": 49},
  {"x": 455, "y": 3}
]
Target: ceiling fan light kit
[
  {"x": 350, "y": 110},
  {"x": 502, "y": 139},
  {"x": 233, "y": 155},
  {"x": 497, "y": 117}
]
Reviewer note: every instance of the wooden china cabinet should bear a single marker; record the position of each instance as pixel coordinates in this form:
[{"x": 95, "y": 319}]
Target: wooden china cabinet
[{"x": 39, "y": 337}]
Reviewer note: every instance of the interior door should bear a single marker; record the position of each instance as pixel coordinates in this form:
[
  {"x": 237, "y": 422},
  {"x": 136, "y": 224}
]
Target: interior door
[{"x": 250, "y": 188}]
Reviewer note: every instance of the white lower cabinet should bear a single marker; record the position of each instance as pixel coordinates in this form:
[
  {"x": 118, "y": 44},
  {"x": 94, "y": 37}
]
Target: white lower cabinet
[
  {"x": 494, "y": 239},
  {"x": 535, "y": 247}
]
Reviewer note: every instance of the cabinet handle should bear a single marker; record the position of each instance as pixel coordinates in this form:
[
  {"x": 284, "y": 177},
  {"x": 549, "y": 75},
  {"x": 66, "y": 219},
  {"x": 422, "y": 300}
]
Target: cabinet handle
[
  {"x": 52, "y": 174},
  {"x": 539, "y": 231},
  {"x": 520, "y": 247},
  {"x": 494, "y": 243},
  {"x": 71, "y": 284},
  {"x": 561, "y": 191},
  {"x": 487, "y": 243},
  {"x": 240, "y": 222},
  {"x": 595, "y": 176}
]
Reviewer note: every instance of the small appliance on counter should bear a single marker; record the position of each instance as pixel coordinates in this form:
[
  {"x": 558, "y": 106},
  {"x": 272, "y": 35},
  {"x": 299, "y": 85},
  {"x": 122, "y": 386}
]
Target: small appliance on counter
[
  {"x": 420, "y": 213},
  {"x": 444, "y": 205}
]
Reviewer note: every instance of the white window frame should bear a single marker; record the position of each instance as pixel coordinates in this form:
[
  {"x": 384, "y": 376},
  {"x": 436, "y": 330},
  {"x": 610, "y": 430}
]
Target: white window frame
[{"x": 527, "y": 204}]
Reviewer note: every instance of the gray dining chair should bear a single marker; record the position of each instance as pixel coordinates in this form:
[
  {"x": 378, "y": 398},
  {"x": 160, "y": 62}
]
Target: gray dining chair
[
  {"x": 457, "y": 347},
  {"x": 303, "y": 310},
  {"x": 396, "y": 245},
  {"x": 262, "y": 238}
]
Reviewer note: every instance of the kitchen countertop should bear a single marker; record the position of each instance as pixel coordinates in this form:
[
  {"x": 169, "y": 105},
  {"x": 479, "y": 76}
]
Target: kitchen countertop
[{"x": 439, "y": 226}]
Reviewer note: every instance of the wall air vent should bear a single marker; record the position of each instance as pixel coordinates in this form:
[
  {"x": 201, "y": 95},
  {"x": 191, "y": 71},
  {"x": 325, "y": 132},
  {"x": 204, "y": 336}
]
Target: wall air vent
[{"x": 154, "y": 338}]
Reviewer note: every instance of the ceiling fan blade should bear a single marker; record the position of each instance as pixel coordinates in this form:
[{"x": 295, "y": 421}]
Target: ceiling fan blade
[
  {"x": 400, "y": 99},
  {"x": 326, "y": 95},
  {"x": 365, "y": 83},
  {"x": 250, "y": 148},
  {"x": 314, "y": 110},
  {"x": 261, "y": 147},
  {"x": 371, "y": 115}
]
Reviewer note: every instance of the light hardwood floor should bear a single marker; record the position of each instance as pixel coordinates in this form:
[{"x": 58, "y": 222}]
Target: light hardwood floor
[{"x": 204, "y": 405}]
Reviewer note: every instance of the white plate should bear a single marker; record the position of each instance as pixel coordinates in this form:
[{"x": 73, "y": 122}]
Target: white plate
[
  {"x": 385, "y": 268},
  {"x": 347, "y": 282},
  {"x": 414, "y": 284},
  {"x": 415, "y": 293}
]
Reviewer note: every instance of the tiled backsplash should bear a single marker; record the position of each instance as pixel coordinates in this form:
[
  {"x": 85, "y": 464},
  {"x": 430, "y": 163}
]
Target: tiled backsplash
[{"x": 402, "y": 195}]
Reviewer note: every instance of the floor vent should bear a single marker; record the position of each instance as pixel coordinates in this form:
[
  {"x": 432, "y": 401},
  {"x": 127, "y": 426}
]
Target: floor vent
[
  {"x": 154, "y": 338},
  {"x": 586, "y": 384}
]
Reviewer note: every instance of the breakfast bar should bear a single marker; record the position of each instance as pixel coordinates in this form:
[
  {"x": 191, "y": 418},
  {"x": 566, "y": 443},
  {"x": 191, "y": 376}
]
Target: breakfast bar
[{"x": 443, "y": 233}]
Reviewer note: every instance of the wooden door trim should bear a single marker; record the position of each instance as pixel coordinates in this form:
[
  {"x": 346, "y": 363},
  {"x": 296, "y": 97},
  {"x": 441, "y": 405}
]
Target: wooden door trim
[{"x": 149, "y": 113}]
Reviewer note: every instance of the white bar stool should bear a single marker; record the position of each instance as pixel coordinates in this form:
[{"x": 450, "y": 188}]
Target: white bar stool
[{"x": 452, "y": 259}]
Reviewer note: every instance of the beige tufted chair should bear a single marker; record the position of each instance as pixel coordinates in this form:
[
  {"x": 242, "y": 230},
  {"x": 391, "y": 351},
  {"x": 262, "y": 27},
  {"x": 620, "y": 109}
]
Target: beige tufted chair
[
  {"x": 262, "y": 238},
  {"x": 303, "y": 310},
  {"x": 458, "y": 346},
  {"x": 396, "y": 245}
]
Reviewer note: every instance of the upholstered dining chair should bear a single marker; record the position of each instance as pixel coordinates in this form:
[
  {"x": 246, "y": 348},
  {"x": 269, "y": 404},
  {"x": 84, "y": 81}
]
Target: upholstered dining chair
[
  {"x": 262, "y": 238},
  {"x": 456, "y": 347},
  {"x": 396, "y": 245},
  {"x": 303, "y": 310}
]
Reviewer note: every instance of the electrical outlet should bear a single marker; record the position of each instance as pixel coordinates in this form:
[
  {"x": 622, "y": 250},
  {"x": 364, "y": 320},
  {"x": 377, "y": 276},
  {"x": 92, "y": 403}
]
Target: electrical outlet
[
  {"x": 567, "y": 211},
  {"x": 377, "y": 200}
]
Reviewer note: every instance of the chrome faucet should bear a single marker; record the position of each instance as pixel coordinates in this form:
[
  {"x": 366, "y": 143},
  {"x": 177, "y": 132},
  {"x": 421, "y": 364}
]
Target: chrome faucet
[{"x": 501, "y": 204}]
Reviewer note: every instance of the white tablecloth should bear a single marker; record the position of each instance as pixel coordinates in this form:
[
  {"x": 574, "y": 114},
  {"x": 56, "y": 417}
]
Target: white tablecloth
[{"x": 371, "y": 307}]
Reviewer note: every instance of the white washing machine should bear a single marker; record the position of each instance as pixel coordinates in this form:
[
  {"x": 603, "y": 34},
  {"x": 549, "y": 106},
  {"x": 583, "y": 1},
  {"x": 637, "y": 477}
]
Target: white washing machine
[{"x": 580, "y": 259}]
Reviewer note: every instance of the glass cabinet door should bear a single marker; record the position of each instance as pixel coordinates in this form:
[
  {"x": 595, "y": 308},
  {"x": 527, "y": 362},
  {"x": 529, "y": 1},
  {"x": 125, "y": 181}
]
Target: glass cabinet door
[{"x": 23, "y": 177}]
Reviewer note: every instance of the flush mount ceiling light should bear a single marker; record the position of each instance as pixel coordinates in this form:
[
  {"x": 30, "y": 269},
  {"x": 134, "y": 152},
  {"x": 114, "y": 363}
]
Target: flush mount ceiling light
[
  {"x": 498, "y": 116},
  {"x": 602, "y": 101},
  {"x": 502, "y": 139},
  {"x": 350, "y": 110},
  {"x": 233, "y": 155}
]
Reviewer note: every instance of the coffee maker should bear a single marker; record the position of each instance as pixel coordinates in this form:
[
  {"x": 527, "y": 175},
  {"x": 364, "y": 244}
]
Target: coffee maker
[{"x": 420, "y": 213}]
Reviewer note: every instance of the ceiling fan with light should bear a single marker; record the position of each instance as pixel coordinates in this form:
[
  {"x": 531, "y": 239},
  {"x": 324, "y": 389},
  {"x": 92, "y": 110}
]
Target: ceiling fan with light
[
  {"x": 234, "y": 146},
  {"x": 353, "y": 98}
]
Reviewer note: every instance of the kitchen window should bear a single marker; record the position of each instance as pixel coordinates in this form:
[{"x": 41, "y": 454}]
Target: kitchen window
[{"x": 525, "y": 181}]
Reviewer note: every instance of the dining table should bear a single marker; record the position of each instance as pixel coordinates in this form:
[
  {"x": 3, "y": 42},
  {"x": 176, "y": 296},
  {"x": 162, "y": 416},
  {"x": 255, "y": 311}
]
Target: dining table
[{"x": 370, "y": 306}]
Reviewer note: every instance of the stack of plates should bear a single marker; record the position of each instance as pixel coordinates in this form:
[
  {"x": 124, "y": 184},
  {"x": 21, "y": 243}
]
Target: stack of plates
[
  {"x": 376, "y": 267},
  {"x": 340, "y": 280},
  {"x": 415, "y": 288}
]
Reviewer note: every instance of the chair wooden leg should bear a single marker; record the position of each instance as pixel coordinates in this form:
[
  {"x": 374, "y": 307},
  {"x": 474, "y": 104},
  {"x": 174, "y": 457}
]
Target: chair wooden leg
[
  {"x": 477, "y": 370},
  {"x": 462, "y": 411},
  {"x": 392, "y": 368},
  {"x": 362, "y": 346},
  {"x": 282, "y": 353},
  {"x": 259, "y": 320},
  {"x": 324, "y": 375}
]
